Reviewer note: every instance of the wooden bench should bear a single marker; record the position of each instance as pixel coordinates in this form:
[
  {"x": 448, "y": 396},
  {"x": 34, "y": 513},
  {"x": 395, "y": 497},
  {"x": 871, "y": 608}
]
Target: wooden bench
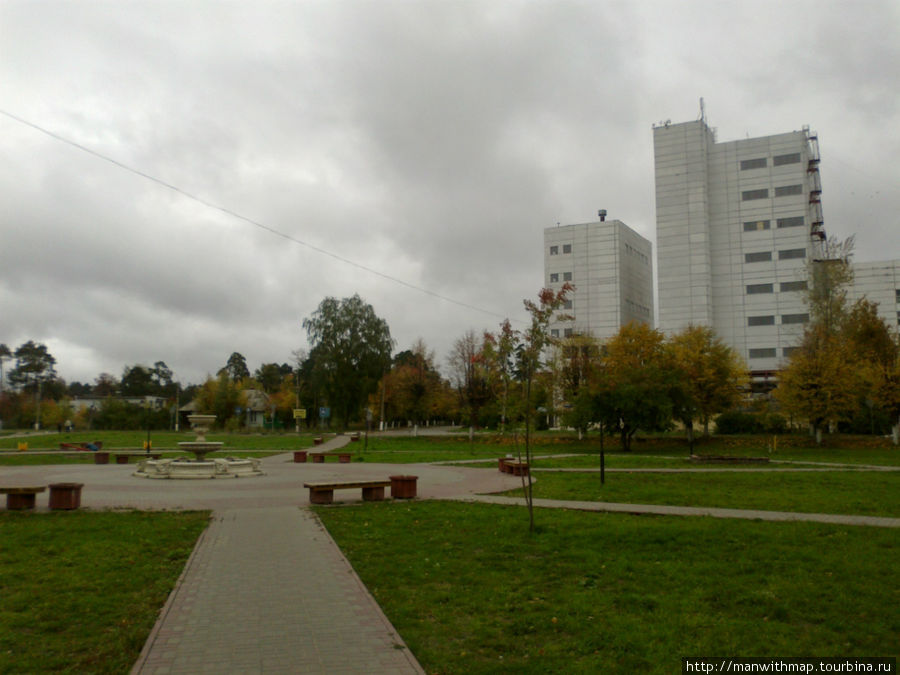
[
  {"x": 123, "y": 457},
  {"x": 21, "y": 498},
  {"x": 319, "y": 457},
  {"x": 322, "y": 492},
  {"x": 513, "y": 466}
]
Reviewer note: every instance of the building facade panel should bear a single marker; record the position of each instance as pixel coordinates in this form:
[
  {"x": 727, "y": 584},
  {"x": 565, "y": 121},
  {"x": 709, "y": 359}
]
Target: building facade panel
[
  {"x": 611, "y": 268},
  {"x": 731, "y": 213}
]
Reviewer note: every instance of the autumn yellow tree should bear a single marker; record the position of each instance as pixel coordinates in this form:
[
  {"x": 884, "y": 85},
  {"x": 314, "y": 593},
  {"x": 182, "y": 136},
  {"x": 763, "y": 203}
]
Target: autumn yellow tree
[
  {"x": 713, "y": 376},
  {"x": 821, "y": 382},
  {"x": 876, "y": 348},
  {"x": 638, "y": 383}
]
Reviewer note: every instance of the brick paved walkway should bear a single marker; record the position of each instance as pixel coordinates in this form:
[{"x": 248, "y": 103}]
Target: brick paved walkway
[{"x": 267, "y": 591}]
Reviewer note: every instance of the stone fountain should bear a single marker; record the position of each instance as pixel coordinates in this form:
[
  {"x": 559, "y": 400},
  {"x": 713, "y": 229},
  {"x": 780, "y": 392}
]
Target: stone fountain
[{"x": 199, "y": 467}]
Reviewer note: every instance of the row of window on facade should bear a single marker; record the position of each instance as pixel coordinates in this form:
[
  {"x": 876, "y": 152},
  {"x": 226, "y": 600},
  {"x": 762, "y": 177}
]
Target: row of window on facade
[
  {"x": 769, "y": 320},
  {"x": 780, "y": 223},
  {"x": 637, "y": 308},
  {"x": 632, "y": 251},
  {"x": 567, "y": 248},
  {"x": 777, "y": 160},
  {"x": 567, "y": 276},
  {"x": 784, "y": 287},
  {"x": 770, "y": 352},
  {"x": 766, "y": 256},
  {"x": 763, "y": 193}
]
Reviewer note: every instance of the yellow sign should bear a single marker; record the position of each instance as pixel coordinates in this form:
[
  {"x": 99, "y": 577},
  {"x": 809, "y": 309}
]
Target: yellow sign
[{"x": 299, "y": 413}]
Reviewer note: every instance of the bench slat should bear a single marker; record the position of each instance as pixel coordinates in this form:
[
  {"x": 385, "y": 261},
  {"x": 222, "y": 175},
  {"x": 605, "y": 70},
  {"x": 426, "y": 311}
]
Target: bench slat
[{"x": 340, "y": 485}]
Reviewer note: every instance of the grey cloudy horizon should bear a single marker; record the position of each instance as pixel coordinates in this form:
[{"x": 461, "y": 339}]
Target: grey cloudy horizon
[{"x": 430, "y": 141}]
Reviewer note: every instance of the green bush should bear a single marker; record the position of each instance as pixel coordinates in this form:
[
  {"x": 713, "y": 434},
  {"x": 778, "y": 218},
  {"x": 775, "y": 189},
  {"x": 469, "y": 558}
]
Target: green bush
[{"x": 737, "y": 422}]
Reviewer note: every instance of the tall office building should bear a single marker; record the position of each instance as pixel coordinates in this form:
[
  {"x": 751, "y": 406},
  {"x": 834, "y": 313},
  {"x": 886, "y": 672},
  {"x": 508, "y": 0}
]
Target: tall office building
[
  {"x": 879, "y": 282},
  {"x": 736, "y": 223},
  {"x": 610, "y": 266}
]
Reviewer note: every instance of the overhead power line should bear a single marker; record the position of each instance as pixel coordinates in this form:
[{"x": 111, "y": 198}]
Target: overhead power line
[{"x": 246, "y": 219}]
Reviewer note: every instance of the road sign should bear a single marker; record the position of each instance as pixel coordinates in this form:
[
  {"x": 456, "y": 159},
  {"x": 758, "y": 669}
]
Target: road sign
[
  {"x": 299, "y": 413},
  {"x": 325, "y": 412}
]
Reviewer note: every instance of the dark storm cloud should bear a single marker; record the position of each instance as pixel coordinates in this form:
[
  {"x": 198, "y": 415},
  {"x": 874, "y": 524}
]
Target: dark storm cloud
[{"x": 429, "y": 141}]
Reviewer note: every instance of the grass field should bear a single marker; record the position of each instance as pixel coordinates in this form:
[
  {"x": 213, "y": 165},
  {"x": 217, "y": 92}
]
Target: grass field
[
  {"x": 81, "y": 591},
  {"x": 34, "y": 459},
  {"x": 871, "y": 493},
  {"x": 160, "y": 439},
  {"x": 472, "y": 592}
]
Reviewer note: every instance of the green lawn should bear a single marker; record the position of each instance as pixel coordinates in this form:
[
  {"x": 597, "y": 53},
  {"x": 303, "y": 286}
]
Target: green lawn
[
  {"x": 160, "y": 440},
  {"x": 663, "y": 450},
  {"x": 32, "y": 459},
  {"x": 872, "y": 493},
  {"x": 80, "y": 591},
  {"x": 472, "y": 592}
]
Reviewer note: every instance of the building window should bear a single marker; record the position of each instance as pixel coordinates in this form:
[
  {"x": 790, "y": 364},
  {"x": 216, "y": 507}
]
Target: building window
[
  {"x": 794, "y": 221},
  {"x": 754, "y": 225},
  {"x": 567, "y": 332},
  {"x": 747, "y": 195},
  {"x": 764, "y": 353},
  {"x": 567, "y": 248},
  {"x": 787, "y": 351},
  {"x": 554, "y": 277},
  {"x": 898, "y": 294},
  {"x": 554, "y": 250},
  {"x": 794, "y": 318},
  {"x": 554, "y": 332},
  {"x": 567, "y": 276},
  {"x": 781, "y": 160},
  {"x": 761, "y": 320},
  {"x": 788, "y": 190},
  {"x": 787, "y": 286},
  {"x": 753, "y": 289},
  {"x": 761, "y": 256},
  {"x": 753, "y": 163},
  {"x": 567, "y": 304},
  {"x": 792, "y": 254}
]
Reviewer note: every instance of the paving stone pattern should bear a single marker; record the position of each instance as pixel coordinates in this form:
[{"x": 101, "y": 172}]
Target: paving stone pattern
[{"x": 268, "y": 591}]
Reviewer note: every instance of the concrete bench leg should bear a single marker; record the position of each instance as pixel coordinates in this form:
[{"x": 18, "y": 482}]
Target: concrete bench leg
[
  {"x": 20, "y": 502},
  {"x": 321, "y": 496},
  {"x": 373, "y": 494}
]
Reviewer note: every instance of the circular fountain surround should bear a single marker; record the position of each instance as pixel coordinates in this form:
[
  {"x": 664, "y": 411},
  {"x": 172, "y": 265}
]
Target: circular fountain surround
[{"x": 200, "y": 467}]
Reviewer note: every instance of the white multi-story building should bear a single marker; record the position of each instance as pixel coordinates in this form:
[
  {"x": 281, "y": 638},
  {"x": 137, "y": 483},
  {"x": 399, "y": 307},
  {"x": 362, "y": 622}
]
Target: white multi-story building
[
  {"x": 736, "y": 223},
  {"x": 610, "y": 266},
  {"x": 879, "y": 282}
]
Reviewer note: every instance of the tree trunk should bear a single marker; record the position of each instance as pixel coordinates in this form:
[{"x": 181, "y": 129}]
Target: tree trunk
[
  {"x": 526, "y": 477},
  {"x": 626, "y": 440},
  {"x": 895, "y": 433}
]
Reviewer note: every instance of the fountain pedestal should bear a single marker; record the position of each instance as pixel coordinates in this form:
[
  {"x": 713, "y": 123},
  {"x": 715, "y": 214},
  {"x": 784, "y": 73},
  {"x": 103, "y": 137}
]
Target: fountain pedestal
[{"x": 199, "y": 467}]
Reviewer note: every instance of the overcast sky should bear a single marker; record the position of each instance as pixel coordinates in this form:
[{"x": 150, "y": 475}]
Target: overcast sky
[{"x": 429, "y": 142}]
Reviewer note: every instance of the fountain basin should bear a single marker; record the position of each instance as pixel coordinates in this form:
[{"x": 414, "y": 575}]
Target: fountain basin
[
  {"x": 200, "y": 448},
  {"x": 228, "y": 467}
]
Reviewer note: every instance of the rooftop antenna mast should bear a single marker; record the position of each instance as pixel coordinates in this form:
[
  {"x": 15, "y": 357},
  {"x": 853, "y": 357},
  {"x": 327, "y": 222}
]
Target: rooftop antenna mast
[{"x": 702, "y": 111}]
